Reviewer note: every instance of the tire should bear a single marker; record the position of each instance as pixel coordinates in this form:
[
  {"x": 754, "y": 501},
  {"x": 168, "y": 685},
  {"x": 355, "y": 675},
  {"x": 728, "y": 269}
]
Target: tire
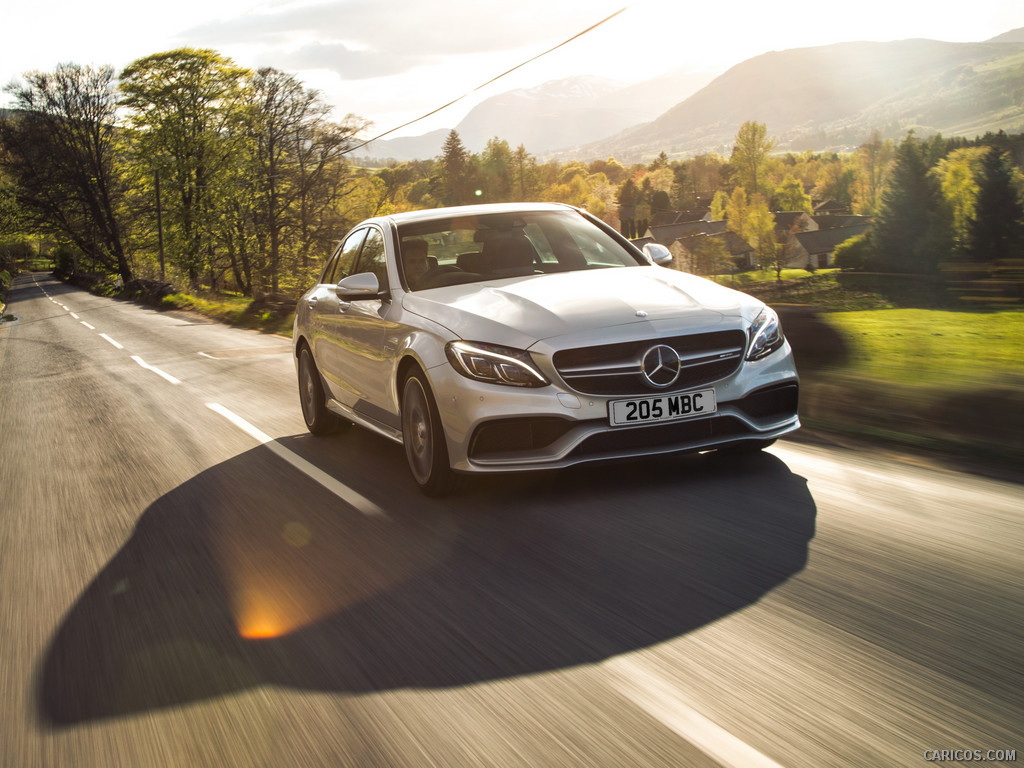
[
  {"x": 426, "y": 451},
  {"x": 319, "y": 420}
]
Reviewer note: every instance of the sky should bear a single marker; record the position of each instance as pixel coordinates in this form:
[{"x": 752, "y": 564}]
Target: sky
[{"x": 392, "y": 61}]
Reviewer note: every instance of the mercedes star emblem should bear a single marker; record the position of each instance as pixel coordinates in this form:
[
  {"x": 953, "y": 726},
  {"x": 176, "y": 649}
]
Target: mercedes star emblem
[{"x": 660, "y": 366}]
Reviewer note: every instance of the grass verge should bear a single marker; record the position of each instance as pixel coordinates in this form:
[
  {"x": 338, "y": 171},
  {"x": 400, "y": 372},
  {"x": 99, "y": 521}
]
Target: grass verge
[{"x": 934, "y": 380}]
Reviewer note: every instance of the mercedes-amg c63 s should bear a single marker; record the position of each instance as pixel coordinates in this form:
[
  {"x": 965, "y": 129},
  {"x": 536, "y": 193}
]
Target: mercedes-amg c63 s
[{"x": 497, "y": 338}]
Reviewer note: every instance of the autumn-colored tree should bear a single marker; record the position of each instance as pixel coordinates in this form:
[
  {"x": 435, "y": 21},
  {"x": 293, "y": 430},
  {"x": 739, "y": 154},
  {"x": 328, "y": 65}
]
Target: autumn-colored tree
[
  {"x": 790, "y": 196},
  {"x": 874, "y": 159},
  {"x": 957, "y": 174},
  {"x": 750, "y": 156}
]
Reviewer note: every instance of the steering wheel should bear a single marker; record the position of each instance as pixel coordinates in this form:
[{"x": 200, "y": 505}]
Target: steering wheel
[{"x": 434, "y": 273}]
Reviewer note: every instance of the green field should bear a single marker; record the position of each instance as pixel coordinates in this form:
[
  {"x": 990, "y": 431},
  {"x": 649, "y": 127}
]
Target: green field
[{"x": 934, "y": 348}]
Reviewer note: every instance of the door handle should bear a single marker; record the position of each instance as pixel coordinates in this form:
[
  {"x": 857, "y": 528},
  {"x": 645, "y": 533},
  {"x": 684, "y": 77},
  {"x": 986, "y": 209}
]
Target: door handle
[{"x": 311, "y": 303}]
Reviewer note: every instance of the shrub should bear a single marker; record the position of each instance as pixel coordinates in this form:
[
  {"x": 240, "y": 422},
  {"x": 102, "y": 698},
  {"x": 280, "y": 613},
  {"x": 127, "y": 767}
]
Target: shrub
[{"x": 856, "y": 254}]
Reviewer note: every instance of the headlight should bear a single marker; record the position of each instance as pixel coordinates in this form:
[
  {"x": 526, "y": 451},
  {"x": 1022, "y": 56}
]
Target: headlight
[
  {"x": 764, "y": 335},
  {"x": 497, "y": 365}
]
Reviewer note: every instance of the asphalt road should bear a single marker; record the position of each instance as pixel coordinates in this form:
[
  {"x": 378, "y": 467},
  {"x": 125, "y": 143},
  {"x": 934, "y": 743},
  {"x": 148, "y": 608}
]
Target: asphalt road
[{"x": 189, "y": 579}]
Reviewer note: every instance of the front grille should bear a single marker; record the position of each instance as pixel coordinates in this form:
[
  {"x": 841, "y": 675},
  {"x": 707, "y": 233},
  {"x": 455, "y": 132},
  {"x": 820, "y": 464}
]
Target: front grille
[{"x": 615, "y": 369}]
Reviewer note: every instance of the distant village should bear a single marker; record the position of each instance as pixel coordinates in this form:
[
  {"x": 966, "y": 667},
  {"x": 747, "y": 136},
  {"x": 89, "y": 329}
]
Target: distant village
[{"x": 807, "y": 240}]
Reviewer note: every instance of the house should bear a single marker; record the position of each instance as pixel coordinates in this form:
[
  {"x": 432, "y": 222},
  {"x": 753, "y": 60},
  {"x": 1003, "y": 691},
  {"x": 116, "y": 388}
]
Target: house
[
  {"x": 817, "y": 247},
  {"x": 667, "y": 234},
  {"x": 830, "y": 208},
  {"x": 662, "y": 218},
  {"x": 791, "y": 222},
  {"x": 686, "y": 252},
  {"x": 835, "y": 221}
]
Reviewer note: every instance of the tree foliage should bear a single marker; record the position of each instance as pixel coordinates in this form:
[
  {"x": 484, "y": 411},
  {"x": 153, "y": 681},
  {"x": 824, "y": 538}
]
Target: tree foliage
[
  {"x": 244, "y": 177},
  {"x": 750, "y": 156},
  {"x": 60, "y": 152},
  {"x": 997, "y": 229},
  {"x": 912, "y": 233}
]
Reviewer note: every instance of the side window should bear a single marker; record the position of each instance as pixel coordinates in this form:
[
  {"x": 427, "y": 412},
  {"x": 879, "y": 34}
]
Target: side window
[
  {"x": 346, "y": 258},
  {"x": 373, "y": 258},
  {"x": 332, "y": 262}
]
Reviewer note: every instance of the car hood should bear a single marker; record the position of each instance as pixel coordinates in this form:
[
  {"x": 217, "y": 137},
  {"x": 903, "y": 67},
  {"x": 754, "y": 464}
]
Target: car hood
[{"x": 518, "y": 312}]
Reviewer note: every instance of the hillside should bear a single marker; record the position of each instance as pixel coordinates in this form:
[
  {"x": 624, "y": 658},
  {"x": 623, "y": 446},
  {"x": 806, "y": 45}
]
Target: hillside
[
  {"x": 834, "y": 96},
  {"x": 554, "y": 115}
]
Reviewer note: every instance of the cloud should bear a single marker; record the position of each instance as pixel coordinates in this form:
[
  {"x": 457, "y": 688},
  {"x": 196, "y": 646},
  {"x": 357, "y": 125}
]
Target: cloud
[
  {"x": 362, "y": 39},
  {"x": 347, "y": 63}
]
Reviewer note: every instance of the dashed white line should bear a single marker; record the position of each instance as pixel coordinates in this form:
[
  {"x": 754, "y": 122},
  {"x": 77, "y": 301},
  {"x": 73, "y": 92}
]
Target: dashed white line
[
  {"x": 667, "y": 705},
  {"x": 155, "y": 370},
  {"x": 336, "y": 487},
  {"x": 75, "y": 316},
  {"x": 90, "y": 327},
  {"x": 104, "y": 336}
]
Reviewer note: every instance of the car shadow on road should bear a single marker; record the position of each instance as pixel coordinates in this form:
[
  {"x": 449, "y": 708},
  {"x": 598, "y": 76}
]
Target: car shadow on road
[{"x": 245, "y": 576}]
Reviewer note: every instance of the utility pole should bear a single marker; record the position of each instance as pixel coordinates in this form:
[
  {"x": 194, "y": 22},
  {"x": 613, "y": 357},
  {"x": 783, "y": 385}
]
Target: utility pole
[{"x": 160, "y": 227}]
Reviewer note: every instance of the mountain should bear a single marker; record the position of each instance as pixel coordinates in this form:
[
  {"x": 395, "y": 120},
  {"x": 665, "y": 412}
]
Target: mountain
[
  {"x": 834, "y": 96},
  {"x": 1013, "y": 36},
  {"x": 555, "y": 115},
  {"x": 827, "y": 97}
]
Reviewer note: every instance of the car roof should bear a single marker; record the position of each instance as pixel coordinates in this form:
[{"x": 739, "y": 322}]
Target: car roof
[{"x": 470, "y": 210}]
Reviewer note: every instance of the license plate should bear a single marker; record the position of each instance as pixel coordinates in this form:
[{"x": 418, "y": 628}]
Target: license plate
[{"x": 647, "y": 410}]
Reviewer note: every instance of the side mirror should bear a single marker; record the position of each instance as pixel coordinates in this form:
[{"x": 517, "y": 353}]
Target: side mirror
[
  {"x": 658, "y": 254},
  {"x": 361, "y": 286}
]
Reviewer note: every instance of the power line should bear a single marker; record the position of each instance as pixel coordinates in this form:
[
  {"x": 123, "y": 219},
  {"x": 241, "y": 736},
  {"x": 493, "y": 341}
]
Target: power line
[{"x": 484, "y": 85}]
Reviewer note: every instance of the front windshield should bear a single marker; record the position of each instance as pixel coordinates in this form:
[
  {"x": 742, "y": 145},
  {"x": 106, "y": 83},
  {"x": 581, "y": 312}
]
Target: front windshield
[{"x": 475, "y": 248}]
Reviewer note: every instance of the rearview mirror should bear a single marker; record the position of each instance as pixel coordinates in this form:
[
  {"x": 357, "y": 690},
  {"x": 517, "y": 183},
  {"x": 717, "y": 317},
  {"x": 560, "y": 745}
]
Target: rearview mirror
[
  {"x": 363, "y": 286},
  {"x": 658, "y": 254}
]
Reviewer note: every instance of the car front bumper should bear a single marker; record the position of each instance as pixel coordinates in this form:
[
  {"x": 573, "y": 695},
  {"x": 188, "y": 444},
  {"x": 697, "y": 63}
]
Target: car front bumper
[{"x": 494, "y": 428}]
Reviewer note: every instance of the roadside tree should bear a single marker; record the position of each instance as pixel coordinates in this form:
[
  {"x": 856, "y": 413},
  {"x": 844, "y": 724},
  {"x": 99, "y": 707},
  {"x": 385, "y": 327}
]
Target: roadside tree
[
  {"x": 186, "y": 111},
  {"x": 60, "y": 155}
]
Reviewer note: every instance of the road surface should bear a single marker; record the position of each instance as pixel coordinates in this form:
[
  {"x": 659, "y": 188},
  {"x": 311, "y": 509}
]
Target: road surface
[{"x": 187, "y": 578}]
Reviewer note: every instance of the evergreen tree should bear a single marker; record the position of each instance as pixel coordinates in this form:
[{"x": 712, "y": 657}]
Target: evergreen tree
[
  {"x": 628, "y": 197},
  {"x": 997, "y": 229},
  {"x": 913, "y": 232},
  {"x": 457, "y": 170}
]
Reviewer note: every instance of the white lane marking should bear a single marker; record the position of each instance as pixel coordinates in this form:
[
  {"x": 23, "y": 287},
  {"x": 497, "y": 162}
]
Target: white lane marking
[
  {"x": 203, "y": 354},
  {"x": 75, "y": 316},
  {"x": 336, "y": 487},
  {"x": 155, "y": 370},
  {"x": 104, "y": 336},
  {"x": 65, "y": 308},
  {"x": 661, "y": 700},
  {"x": 90, "y": 327}
]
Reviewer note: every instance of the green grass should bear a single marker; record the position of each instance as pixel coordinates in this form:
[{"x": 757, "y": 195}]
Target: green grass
[
  {"x": 230, "y": 309},
  {"x": 768, "y": 276},
  {"x": 233, "y": 308},
  {"x": 934, "y": 348}
]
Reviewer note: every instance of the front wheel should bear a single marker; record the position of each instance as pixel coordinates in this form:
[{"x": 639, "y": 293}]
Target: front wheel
[
  {"x": 425, "y": 449},
  {"x": 319, "y": 420}
]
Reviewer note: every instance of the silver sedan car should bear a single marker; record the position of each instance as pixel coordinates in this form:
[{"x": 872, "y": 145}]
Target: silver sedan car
[{"x": 497, "y": 338}]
